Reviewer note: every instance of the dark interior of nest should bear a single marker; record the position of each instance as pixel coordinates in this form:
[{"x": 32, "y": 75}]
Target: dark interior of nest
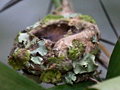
[{"x": 54, "y": 32}]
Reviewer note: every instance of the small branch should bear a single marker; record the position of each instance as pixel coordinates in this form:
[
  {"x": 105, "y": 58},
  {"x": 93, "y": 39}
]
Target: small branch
[
  {"x": 9, "y": 4},
  {"x": 57, "y": 3},
  {"x": 66, "y": 7},
  {"x": 105, "y": 50},
  {"x": 49, "y": 7},
  {"x": 103, "y": 59},
  {"x": 108, "y": 42},
  {"x": 110, "y": 21},
  {"x": 102, "y": 64},
  {"x": 94, "y": 80},
  {"x": 99, "y": 75}
]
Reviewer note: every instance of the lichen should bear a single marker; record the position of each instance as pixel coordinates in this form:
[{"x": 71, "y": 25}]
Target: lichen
[
  {"x": 69, "y": 78},
  {"x": 72, "y": 15},
  {"x": 85, "y": 65},
  {"x": 33, "y": 26},
  {"x": 87, "y": 18},
  {"x": 24, "y": 38},
  {"x": 51, "y": 17},
  {"x": 41, "y": 49},
  {"x": 51, "y": 76},
  {"x": 94, "y": 39},
  {"x": 36, "y": 60},
  {"x": 19, "y": 59},
  {"x": 76, "y": 50}
]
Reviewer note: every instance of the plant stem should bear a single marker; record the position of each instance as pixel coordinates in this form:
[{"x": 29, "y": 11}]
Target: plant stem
[
  {"x": 94, "y": 80},
  {"x": 57, "y": 3},
  {"x": 105, "y": 50}
]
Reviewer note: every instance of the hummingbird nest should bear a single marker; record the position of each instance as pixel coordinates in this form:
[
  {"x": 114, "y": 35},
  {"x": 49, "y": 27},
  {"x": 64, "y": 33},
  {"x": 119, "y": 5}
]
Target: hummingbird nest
[{"x": 58, "y": 49}]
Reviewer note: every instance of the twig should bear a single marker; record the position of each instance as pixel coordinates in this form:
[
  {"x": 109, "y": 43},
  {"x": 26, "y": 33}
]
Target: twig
[
  {"x": 49, "y": 7},
  {"x": 102, "y": 63},
  {"x": 99, "y": 75},
  {"x": 105, "y": 50},
  {"x": 108, "y": 17},
  {"x": 94, "y": 80},
  {"x": 108, "y": 42},
  {"x": 103, "y": 59},
  {"x": 9, "y": 4}
]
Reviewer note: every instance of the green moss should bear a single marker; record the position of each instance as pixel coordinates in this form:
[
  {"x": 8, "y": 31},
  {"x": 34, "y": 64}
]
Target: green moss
[
  {"x": 51, "y": 17},
  {"x": 60, "y": 63},
  {"x": 51, "y": 76},
  {"x": 87, "y": 18},
  {"x": 56, "y": 60},
  {"x": 19, "y": 58},
  {"x": 75, "y": 52},
  {"x": 15, "y": 64}
]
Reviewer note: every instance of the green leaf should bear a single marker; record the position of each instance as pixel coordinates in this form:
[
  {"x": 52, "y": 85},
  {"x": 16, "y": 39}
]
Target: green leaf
[
  {"x": 11, "y": 80},
  {"x": 111, "y": 84},
  {"x": 78, "y": 86},
  {"x": 114, "y": 64}
]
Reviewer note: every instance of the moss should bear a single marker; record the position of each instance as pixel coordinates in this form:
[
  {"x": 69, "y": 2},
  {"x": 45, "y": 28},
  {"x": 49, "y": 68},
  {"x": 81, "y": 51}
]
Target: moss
[
  {"x": 19, "y": 59},
  {"x": 56, "y": 59},
  {"x": 75, "y": 52},
  {"x": 15, "y": 64},
  {"x": 87, "y": 18},
  {"x": 51, "y": 17},
  {"x": 51, "y": 76},
  {"x": 60, "y": 63}
]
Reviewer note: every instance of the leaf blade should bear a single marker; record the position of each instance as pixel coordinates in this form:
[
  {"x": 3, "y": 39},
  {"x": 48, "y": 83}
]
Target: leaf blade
[
  {"x": 114, "y": 64},
  {"x": 11, "y": 80},
  {"x": 111, "y": 84},
  {"x": 78, "y": 86}
]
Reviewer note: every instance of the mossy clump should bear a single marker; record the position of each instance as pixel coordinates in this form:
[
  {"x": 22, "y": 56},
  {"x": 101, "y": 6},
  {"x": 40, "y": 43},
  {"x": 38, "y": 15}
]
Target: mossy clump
[
  {"x": 51, "y": 76},
  {"x": 56, "y": 60},
  {"x": 20, "y": 57},
  {"x": 51, "y": 17},
  {"x": 60, "y": 63},
  {"x": 87, "y": 18},
  {"x": 76, "y": 51}
]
